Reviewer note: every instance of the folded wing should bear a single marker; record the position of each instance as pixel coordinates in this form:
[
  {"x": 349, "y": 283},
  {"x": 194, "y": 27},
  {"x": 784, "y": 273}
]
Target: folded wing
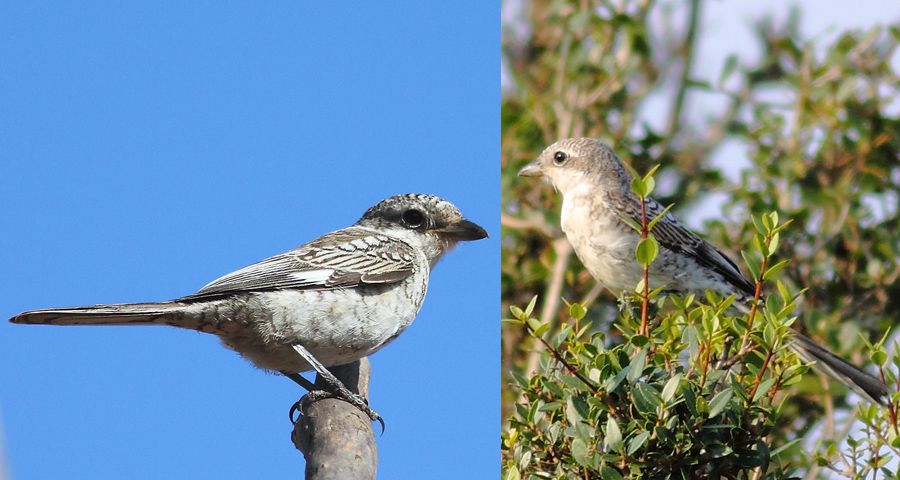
[{"x": 342, "y": 259}]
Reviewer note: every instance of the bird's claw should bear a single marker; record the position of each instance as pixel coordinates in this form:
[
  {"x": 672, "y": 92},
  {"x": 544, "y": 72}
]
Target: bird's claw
[
  {"x": 356, "y": 400},
  {"x": 296, "y": 408}
]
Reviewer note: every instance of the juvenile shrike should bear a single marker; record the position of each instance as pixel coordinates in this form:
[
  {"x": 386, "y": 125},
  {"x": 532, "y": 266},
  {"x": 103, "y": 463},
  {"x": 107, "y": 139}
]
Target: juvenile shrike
[
  {"x": 329, "y": 302},
  {"x": 596, "y": 191}
]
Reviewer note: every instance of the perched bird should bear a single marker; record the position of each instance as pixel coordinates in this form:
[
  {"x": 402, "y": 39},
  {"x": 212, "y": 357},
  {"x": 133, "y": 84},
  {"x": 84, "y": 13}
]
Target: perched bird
[
  {"x": 329, "y": 302},
  {"x": 596, "y": 191}
]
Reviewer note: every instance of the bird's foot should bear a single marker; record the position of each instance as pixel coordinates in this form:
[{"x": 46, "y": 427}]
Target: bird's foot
[
  {"x": 344, "y": 394},
  {"x": 336, "y": 387}
]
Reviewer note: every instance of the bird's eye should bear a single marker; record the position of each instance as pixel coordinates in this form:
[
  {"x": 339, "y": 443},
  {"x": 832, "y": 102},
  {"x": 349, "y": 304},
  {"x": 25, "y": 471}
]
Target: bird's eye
[
  {"x": 413, "y": 218},
  {"x": 560, "y": 157}
]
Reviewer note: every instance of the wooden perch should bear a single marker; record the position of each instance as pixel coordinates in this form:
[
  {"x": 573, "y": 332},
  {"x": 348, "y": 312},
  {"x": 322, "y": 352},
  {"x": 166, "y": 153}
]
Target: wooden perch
[{"x": 336, "y": 438}]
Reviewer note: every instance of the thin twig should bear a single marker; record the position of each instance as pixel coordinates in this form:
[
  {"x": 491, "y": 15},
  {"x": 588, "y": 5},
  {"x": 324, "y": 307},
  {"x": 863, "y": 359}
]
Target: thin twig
[
  {"x": 534, "y": 223},
  {"x": 553, "y": 295},
  {"x": 645, "y": 295},
  {"x": 559, "y": 358}
]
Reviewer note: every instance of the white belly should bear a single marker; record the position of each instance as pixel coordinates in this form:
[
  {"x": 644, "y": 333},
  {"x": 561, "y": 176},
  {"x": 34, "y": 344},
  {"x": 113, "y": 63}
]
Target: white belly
[
  {"x": 336, "y": 326},
  {"x": 601, "y": 244}
]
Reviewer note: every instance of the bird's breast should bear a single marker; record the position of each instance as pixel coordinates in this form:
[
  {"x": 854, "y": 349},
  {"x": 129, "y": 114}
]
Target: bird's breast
[{"x": 603, "y": 243}]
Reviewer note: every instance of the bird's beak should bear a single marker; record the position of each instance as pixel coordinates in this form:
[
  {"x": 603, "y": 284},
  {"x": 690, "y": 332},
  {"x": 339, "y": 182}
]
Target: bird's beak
[
  {"x": 533, "y": 169},
  {"x": 463, "y": 230}
]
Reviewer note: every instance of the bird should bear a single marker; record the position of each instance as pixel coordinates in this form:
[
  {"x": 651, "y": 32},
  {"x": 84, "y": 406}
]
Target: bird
[
  {"x": 597, "y": 205},
  {"x": 329, "y": 302}
]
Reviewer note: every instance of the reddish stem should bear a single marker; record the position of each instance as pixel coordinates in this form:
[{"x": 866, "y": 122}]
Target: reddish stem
[
  {"x": 759, "y": 375},
  {"x": 757, "y": 293},
  {"x": 707, "y": 353},
  {"x": 559, "y": 358},
  {"x": 892, "y": 408},
  {"x": 645, "y": 296}
]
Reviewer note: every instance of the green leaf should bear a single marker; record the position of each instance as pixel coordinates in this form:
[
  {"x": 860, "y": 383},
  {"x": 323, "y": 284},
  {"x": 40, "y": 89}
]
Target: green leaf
[
  {"x": 664, "y": 435},
  {"x": 577, "y": 311},
  {"x": 659, "y": 217},
  {"x": 767, "y": 223},
  {"x": 719, "y": 402},
  {"x": 637, "y": 442},
  {"x": 576, "y": 409},
  {"x": 639, "y": 340},
  {"x": 646, "y": 250},
  {"x": 639, "y": 288},
  {"x": 775, "y": 269},
  {"x": 613, "y": 439},
  {"x": 879, "y": 357},
  {"x": 541, "y": 330},
  {"x": 758, "y": 244},
  {"x": 613, "y": 382},
  {"x": 554, "y": 389},
  {"x": 784, "y": 225},
  {"x": 786, "y": 446},
  {"x": 639, "y": 187},
  {"x": 627, "y": 220},
  {"x": 512, "y": 474},
  {"x": 636, "y": 367},
  {"x": 580, "y": 333},
  {"x": 782, "y": 290},
  {"x": 649, "y": 185},
  {"x": 671, "y": 388},
  {"x": 763, "y": 389},
  {"x": 646, "y": 398},
  {"x": 609, "y": 473},
  {"x": 773, "y": 218},
  {"x": 530, "y": 307},
  {"x": 691, "y": 337},
  {"x": 758, "y": 224},
  {"x": 580, "y": 452},
  {"x": 769, "y": 335},
  {"x": 752, "y": 264},
  {"x": 730, "y": 64},
  {"x": 516, "y": 311},
  {"x": 690, "y": 401},
  {"x": 772, "y": 246}
]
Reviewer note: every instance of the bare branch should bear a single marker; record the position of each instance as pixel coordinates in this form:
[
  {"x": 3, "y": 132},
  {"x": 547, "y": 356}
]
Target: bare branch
[{"x": 335, "y": 437}]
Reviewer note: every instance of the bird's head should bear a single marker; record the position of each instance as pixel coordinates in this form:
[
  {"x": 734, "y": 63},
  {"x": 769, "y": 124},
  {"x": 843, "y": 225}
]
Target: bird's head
[
  {"x": 424, "y": 221},
  {"x": 572, "y": 162}
]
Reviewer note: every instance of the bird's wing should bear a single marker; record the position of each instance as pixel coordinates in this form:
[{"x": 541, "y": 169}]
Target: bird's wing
[
  {"x": 675, "y": 237},
  {"x": 342, "y": 259}
]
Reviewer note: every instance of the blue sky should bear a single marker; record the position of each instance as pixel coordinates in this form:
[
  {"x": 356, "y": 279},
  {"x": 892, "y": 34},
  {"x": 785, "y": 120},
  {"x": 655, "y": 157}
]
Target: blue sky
[{"x": 148, "y": 148}]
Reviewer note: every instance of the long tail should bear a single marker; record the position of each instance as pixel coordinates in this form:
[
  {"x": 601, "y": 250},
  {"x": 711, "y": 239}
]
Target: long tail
[
  {"x": 163, "y": 313},
  {"x": 858, "y": 380}
]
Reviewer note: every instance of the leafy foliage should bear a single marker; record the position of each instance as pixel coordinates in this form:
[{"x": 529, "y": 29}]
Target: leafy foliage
[{"x": 821, "y": 133}]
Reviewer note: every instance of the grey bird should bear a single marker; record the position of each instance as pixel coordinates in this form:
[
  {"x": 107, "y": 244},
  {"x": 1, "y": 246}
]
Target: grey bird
[
  {"x": 334, "y": 300},
  {"x": 596, "y": 191}
]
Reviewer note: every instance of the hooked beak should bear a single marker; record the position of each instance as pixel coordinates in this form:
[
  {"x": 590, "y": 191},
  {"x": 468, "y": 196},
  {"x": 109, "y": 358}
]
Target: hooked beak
[
  {"x": 533, "y": 169},
  {"x": 463, "y": 230}
]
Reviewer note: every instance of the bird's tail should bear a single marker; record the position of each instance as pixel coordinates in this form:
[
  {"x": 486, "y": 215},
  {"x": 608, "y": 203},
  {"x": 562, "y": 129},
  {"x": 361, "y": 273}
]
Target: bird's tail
[
  {"x": 823, "y": 360},
  {"x": 163, "y": 313}
]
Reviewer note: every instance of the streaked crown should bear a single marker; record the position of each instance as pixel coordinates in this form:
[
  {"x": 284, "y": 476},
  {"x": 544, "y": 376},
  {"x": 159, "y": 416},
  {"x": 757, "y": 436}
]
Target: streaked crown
[{"x": 417, "y": 211}]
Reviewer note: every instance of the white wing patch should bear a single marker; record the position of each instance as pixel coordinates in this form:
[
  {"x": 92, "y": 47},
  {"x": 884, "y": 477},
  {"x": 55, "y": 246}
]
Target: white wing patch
[{"x": 313, "y": 276}]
